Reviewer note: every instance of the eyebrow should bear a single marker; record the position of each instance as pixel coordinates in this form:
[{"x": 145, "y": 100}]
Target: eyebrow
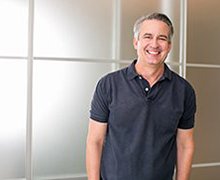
[{"x": 147, "y": 34}]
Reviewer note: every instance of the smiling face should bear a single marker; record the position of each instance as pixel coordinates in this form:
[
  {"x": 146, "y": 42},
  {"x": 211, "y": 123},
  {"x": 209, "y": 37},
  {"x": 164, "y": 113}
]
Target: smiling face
[{"x": 153, "y": 43}]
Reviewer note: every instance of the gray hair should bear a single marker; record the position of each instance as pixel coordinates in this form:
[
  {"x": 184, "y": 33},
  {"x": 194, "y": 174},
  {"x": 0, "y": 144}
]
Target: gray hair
[{"x": 153, "y": 16}]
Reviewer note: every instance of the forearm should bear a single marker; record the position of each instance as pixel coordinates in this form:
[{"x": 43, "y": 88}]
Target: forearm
[
  {"x": 94, "y": 146},
  {"x": 93, "y": 159},
  {"x": 184, "y": 162}
]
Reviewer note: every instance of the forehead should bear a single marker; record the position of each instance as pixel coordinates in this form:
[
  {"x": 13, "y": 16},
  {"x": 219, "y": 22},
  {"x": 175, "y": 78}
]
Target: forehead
[{"x": 154, "y": 27}]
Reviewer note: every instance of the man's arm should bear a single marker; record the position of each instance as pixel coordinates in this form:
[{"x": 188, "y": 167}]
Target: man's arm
[
  {"x": 95, "y": 139},
  {"x": 185, "y": 150}
]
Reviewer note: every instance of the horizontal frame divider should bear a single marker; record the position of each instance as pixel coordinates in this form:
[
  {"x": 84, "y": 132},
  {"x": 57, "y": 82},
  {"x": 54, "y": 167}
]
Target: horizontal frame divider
[
  {"x": 200, "y": 165},
  {"x": 106, "y": 60}
]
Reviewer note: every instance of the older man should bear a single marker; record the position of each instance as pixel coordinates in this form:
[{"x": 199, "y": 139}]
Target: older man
[{"x": 142, "y": 116}]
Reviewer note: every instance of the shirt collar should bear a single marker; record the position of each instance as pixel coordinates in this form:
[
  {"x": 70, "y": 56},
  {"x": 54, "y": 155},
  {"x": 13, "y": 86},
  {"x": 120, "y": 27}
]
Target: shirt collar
[
  {"x": 131, "y": 72},
  {"x": 167, "y": 72}
]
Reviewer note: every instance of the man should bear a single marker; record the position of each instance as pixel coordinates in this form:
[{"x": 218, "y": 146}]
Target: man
[{"x": 142, "y": 117}]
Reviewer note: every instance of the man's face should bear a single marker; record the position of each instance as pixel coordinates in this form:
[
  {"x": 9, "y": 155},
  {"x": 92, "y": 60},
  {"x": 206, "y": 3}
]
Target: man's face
[{"x": 153, "y": 43}]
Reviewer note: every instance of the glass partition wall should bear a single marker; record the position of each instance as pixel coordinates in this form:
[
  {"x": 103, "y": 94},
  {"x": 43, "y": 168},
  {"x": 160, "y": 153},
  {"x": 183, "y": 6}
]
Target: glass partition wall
[
  {"x": 13, "y": 93},
  {"x": 203, "y": 71},
  {"x": 52, "y": 53}
]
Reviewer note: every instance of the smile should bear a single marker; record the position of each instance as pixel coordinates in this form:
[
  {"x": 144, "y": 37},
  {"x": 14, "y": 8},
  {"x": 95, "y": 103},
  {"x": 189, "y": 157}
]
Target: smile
[{"x": 153, "y": 52}]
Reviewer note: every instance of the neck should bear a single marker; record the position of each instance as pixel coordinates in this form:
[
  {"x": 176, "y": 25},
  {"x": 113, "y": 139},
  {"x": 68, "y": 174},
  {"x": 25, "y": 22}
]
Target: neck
[{"x": 151, "y": 73}]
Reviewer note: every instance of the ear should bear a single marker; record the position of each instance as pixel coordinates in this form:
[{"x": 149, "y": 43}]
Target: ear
[{"x": 135, "y": 43}]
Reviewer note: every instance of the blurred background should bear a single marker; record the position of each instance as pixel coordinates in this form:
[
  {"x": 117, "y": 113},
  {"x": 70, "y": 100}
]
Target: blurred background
[{"x": 52, "y": 53}]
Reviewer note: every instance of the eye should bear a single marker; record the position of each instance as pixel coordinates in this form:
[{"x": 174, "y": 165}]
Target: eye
[
  {"x": 163, "y": 38},
  {"x": 147, "y": 37}
]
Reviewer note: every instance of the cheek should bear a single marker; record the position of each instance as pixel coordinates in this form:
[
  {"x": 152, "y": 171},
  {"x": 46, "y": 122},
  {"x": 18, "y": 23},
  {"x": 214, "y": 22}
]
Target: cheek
[
  {"x": 166, "y": 48},
  {"x": 137, "y": 47},
  {"x": 141, "y": 45}
]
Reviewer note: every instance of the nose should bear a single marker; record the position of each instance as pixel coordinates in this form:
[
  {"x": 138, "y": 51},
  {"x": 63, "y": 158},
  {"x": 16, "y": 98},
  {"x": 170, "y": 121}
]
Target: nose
[{"x": 154, "y": 43}]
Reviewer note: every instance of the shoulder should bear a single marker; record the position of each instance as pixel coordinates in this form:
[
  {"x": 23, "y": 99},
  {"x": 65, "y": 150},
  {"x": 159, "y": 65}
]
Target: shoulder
[
  {"x": 113, "y": 77},
  {"x": 180, "y": 86},
  {"x": 181, "y": 82}
]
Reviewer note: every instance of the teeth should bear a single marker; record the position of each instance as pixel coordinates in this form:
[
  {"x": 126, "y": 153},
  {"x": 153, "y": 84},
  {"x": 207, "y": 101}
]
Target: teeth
[{"x": 153, "y": 52}]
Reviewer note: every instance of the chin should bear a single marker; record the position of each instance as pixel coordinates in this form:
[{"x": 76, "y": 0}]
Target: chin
[{"x": 155, "y": 63}]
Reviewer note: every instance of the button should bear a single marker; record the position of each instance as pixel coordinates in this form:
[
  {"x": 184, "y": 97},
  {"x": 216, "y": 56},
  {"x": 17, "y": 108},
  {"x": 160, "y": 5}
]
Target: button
[
  {"x": 139, "y": 77},
  {"x": 146, "y": 89}
]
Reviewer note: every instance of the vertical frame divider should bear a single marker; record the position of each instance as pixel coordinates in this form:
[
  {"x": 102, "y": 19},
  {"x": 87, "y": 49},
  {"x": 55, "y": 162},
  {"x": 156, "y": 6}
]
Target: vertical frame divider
[
  {"x": 116, "y": 30},
  {"x": 29, "y": 155},
  {"x": 183, "y": 37}
]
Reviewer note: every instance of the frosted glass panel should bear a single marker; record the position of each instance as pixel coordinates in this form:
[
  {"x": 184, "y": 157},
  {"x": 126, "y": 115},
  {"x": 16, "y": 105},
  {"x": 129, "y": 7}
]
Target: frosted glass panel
[
  {"x": 12, "y": 118},
  {"x": 123, "y": 65},
  {"x": 14, "y": 25},
  {"x": 73, "y": 28},
  {"x": 208, "y": 114},
  {"x": 174, "y": 68},
  {"x": 62, "y": 94},
  {"x": 203, "y": 31},
  {"x": 131, "y": 10},
  {"x": 212, "y": 173}
]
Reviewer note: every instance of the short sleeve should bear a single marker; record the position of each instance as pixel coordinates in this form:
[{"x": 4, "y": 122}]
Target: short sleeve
[
  {"x": 100, "y": 102},
  {"x": 187, "y": 120}
]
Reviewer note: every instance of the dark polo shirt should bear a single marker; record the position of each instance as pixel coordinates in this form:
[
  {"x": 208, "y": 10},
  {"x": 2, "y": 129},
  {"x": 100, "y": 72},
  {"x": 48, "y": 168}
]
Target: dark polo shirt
[{"x": 142, "y": 122}]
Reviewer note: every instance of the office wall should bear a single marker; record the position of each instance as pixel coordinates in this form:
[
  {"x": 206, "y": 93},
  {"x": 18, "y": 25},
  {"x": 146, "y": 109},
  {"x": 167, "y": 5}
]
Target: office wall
[
  {"x": 13, "y": 91},
  {"x": 203, "y": 70},
  {"x": 74, "y": 45}
]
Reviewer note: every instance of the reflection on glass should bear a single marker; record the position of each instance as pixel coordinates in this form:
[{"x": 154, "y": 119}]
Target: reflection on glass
[
  {"x": 73, "y": 28},
  {"x": 14, "y": 26},
  {"x": 12, "y": 118},
  {"x": 62, "y": 94}
]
